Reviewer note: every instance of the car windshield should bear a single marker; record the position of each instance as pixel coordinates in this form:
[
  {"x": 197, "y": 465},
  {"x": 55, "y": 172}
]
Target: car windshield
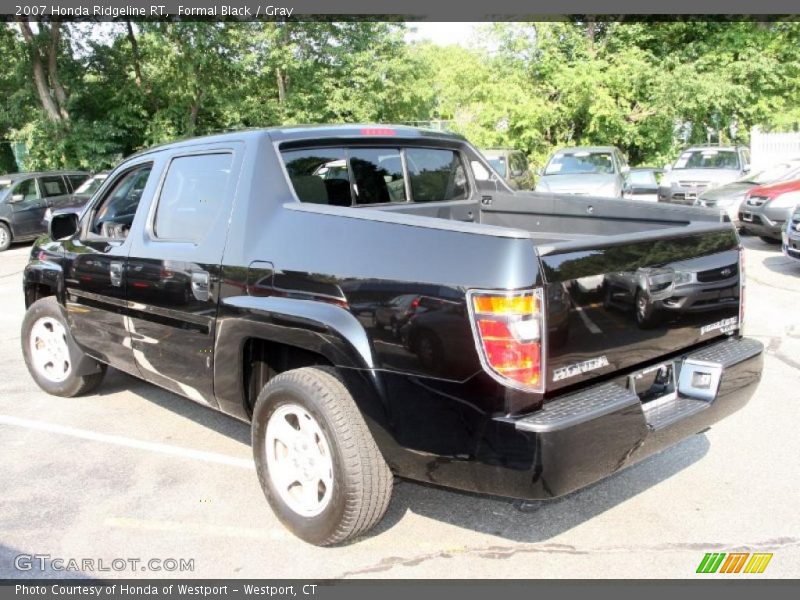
[
  {"x": 580, "y": 162},
  {"x": 779, "y": 172},
  {"x": 708, "y": 158},
  {"x": 498, "y": 164},
  {"x": 90, "y": 185}
]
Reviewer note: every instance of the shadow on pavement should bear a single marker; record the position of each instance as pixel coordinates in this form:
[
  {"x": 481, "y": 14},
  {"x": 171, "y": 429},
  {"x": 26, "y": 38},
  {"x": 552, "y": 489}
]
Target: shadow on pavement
[{"x": 539, "y": 521}]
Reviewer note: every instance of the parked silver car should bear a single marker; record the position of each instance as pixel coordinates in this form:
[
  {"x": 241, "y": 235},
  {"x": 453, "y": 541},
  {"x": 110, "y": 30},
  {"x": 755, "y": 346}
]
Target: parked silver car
[
  {"x": 701, "y": 168},
  {"x": 587, "y": 171},
  {"x": 730, "y": 196}
]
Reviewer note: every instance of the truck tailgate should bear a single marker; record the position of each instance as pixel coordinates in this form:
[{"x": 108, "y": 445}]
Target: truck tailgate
[{"x": 625, "y": 302}]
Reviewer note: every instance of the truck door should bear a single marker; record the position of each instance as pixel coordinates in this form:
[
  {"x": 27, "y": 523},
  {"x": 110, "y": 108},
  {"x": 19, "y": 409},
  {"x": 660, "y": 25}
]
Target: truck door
[
  {"x": 94, "y": 265},
  {"x": 173, "y": 271},
  {"x": 28, "y": 208}
]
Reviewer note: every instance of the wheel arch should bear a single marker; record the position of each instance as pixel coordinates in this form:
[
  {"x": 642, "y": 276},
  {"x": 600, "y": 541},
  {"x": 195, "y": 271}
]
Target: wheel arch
[
  {"x": 287, "y": 333},
  {"x": 42, "y": 279}
]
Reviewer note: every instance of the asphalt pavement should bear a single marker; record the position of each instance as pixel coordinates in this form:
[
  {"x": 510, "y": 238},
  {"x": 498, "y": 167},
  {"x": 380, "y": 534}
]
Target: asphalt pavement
[{"x": 140, "y": 476}]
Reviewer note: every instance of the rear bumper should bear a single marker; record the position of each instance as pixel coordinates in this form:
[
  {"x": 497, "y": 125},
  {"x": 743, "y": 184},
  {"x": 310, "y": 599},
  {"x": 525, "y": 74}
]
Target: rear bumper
[{"x": 581, "y": 438}]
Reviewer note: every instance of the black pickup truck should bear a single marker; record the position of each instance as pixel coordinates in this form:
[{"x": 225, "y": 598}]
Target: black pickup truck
[{"x": 375, "y": 300}]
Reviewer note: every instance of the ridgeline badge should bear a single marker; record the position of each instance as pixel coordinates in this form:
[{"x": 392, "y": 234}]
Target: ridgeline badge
[{"x": 580, "y": 368}]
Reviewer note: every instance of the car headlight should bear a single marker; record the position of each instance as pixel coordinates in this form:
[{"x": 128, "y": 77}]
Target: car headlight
[{"x": 683, "y": 277}]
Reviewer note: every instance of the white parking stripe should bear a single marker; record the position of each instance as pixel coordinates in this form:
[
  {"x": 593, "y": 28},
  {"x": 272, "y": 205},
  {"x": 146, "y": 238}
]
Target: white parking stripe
[
  {"x": 118, "y": 440},
  {"x": 590, "y": 325}
]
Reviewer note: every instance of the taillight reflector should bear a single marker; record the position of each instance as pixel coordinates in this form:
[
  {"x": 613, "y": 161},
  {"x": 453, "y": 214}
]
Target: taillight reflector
[{"x": 508, "y": 329}]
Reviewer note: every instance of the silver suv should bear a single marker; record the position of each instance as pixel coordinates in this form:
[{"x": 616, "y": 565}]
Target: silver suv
[{"x": 701, "y": 168}]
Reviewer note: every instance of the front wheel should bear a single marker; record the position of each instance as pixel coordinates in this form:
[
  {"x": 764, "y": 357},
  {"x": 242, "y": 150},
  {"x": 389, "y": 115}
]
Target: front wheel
[
  {"x": 317, "y": 462},
  {"x": 51, "y": 356},
  {"x": 5, "y": 237}
]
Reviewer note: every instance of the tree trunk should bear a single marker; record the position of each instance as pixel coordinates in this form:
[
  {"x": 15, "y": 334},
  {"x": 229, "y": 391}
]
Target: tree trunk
[
  {"x": 194, "y": 109},
  {"x": 137, "y": 68},
  {"x": 281, "y": 78},
  {"x": 52, "y": 68},
  {"x": 39, "y": 77}
]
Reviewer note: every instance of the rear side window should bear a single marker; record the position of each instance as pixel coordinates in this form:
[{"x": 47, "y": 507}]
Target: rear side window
[
  {"x": 53, "y": 186},
  {"x": 436, "y": 175},
  {"x": 192, "y": 196},
  {"x": 76, "y": 180},
  {"x": 319, "y": 175}
]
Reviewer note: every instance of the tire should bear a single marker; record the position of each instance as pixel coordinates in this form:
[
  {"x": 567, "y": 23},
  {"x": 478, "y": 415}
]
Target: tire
[
  {"x": 53, "y": 366},
  {"x": 769, "y": 240},
  {"x": 5, "y": 237},
  {"x": 350, "y": 483},
  {"x": 647, "y": 316},
  {"x": 428, "y": 349}
]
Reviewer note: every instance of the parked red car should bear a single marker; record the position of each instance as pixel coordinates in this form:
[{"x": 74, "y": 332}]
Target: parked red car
[{"x": 767, "y": 207}]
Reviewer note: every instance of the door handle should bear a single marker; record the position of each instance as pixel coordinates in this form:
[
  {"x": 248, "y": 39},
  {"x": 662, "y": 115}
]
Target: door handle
[
  {"x": 200, "y": 285},
  {"x": 115, "y": 271}
]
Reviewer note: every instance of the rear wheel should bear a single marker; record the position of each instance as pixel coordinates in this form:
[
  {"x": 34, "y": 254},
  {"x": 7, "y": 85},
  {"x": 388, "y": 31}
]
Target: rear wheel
[
  {"x": 5, "y": 237},
  {"x": 316, "y": 460},
  {"x": 50, "y": 354}
]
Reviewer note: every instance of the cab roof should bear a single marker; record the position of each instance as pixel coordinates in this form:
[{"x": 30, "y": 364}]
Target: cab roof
[{"x": 312, "y": 132}]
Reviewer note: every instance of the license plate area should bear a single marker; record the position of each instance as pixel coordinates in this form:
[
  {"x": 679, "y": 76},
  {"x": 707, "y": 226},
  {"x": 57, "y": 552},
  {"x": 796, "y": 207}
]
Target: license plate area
[{"x": 699, "y": 379}]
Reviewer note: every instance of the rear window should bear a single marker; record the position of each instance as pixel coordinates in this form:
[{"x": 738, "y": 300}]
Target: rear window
[
  {"x": 53, "y": 186},
  {"x": 373, "y": 176}
]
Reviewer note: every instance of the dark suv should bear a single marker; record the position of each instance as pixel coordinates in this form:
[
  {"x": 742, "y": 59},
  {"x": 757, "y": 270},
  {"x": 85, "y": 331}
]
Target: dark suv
[{"x": 24, "y": 198}]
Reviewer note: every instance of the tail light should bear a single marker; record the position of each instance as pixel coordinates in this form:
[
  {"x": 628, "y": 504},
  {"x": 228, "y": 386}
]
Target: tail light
[
  {"x": 509, "y": 332},
  {"x": 741, "y": 290}
]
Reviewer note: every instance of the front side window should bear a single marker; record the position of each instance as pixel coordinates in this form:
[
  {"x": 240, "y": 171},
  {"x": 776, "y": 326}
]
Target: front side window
[
  {"x": 436, "y": 175},
  {"x": 114, "y": 216},
  {"x": 27, "y": 189},
  {"x": 192, "y": 196},
  {"x": 53, "y": 186}
]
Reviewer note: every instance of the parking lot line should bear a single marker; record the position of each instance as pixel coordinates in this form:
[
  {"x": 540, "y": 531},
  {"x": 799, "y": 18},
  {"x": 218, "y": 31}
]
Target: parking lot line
[
  {"x": 590, "y": 325},
  {"x": 194, "y": 528},
  {"x": 127, "y": 442}
]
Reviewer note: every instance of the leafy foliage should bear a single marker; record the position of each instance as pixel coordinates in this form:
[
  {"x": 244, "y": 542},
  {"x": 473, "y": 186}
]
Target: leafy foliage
[{"x": 646, "y": 87}]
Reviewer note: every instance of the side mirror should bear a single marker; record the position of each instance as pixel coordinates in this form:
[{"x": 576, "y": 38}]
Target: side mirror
[
  {"x": 747, "y": 167},
  {"x": 63, "y": 225},
  {"x": 516, "y": 173},
  {"x": 626, "y": 169},
  {"x": 16, "y": 198},
  {"x": 667, "y": 167},
  {"x": 539, "y": 172}
]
